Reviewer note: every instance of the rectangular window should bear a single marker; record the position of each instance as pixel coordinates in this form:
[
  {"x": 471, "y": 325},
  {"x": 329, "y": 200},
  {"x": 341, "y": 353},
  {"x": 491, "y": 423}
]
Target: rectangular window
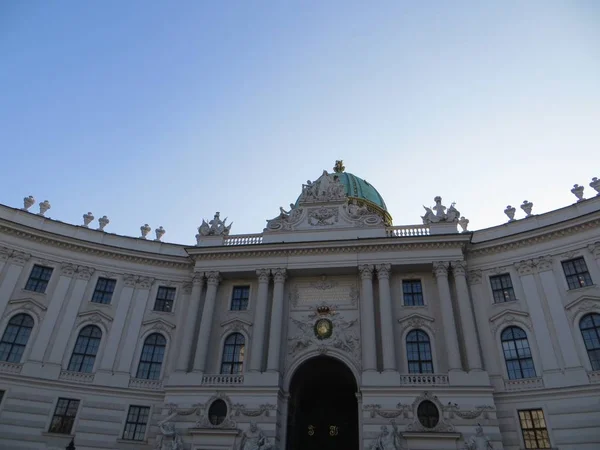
[
  {"x": 577, "y": 273},
  {"x": 239, "y": 298},
  {"x": 534, "y": 429},
  {"x": 104, "y": 290},
  {"x": 502, "y": 288},
  {"x": 164, "y": 299},
  {"x": 38, "y": 279},
  {"x": 64, "y": 416},
  {"x": 137, "y": 420},
  {"x": 413, "y": 293}
]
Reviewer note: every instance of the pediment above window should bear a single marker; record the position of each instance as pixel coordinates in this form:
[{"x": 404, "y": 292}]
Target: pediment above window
[
  {"x": 583, "y": 304},
  {"x": 94, "y": 316},
  {"x": 235, "y": 324},
  {"x": 26, "y": 305},
  {"x": 417, "y": 320},
  {"x": 510, "y": 317},
  {"x": 157, "y": 325}
]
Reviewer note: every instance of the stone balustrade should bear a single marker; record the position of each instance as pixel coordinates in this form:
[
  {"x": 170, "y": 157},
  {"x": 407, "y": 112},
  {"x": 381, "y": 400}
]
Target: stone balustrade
[
  {"x": 222, "y": 379},
  {"x": 9, "y": 367},
  {"x": 407, "y": 231},
  {"x": 524, "y": 384},
  {"x": 243, "y": 239},
  {"x": 138, "y": 383},
  {"x": 423, "y": 379},
  {"x": 594, "y": 376},
  {"x": 77, "y": 377}
]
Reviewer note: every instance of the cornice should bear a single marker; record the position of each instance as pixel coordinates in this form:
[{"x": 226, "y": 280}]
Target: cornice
[
  {"x": 323, "y": 248},
  {"x": 530, "y": 238},
  {"x": 92, "y": 248}
]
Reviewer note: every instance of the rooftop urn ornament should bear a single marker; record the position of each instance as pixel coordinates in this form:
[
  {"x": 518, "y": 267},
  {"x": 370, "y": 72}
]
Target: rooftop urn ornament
[
  {"x": 87, "y": 219},
  {"x": 44, "y": 206},
  {"x": 103, "y": 221},
  {"x": 510, "y": 212},
  {"x": 160, "y": 232},
  {"x": 145, "y": 229},
  {"x": 595, "y": 184},
  {"x": 577, "y": 191},
  {"x": 464, "y": 223},
  {"x": 526, "y": 206},
  {"x": 28, "y": 202},
  {"x": 216, "y": 227}
]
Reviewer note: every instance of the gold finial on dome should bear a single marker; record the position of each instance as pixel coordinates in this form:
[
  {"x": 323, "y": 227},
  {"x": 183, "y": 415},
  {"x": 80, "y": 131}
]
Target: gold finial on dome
[{"x": 339, "y": 166}]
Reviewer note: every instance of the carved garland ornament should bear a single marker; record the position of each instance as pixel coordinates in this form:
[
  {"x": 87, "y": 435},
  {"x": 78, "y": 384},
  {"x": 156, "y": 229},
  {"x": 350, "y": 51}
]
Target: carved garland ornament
[
  {"x": 401, "y": 410},
  {"x": 454, "y": 410},
  {"x": 240, "y": 409}
]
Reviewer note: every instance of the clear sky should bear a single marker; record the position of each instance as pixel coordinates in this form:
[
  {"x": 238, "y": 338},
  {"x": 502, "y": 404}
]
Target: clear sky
[{"x": 165, "y": 112}]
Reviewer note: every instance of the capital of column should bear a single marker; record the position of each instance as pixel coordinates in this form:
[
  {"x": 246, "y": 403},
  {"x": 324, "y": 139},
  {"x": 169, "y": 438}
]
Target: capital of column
[
  {"x": 383, "y": 270},
  {"x": 279, "y": 275},
  {"x": 474, "y": 277},
  {"x": 198, "y": 278},
  {"x": 543, "y": 264},
  {"x": 19, "y": 258},
  {"x": 5, "y": 253},
  {"x": 594, "y": 249},
  {"x": 263, "y": 275},
  {"x": 440, "y": 268},
  {"x": 213, "y": 278},
  {"x": 67, "y": 269},
  {"x": 459, "y": 268},
  {"x": 84, "y": 272},
  {"x": 366, "y": 271},
  {"x": 526, "y": 267}
]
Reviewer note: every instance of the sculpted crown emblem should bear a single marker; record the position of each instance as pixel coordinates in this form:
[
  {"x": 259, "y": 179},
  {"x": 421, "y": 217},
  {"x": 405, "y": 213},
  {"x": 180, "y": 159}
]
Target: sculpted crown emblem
[{"x": 339, "y": 166}]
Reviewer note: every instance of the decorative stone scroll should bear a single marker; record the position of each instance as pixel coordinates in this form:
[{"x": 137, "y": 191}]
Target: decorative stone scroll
[
  {"x": 454, "y": 410},
  {"x": 401, "y": 410},
  {"x": 240, "y": 409}
]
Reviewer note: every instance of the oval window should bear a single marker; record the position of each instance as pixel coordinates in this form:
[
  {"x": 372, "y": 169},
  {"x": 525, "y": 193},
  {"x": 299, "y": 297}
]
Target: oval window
[
  {"x": 217, "y": 412},
  {"x": 428, "y": 414}
]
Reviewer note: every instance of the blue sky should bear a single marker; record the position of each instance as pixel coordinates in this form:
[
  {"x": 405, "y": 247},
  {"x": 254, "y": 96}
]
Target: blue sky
[{"x": 165, "y": 112}]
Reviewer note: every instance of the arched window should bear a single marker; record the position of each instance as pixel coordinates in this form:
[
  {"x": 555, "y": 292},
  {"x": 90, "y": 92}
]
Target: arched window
[
  {"x": 15, "y": 337},
  {"x": 152, "y": 356},
  {"x": 86, "y": 348},
  {"x": 233, "y": 354},
  {"x": 418, "y": 350},
  {"x": 517, "y": 354},
  {"x": 590, "y": 330}
]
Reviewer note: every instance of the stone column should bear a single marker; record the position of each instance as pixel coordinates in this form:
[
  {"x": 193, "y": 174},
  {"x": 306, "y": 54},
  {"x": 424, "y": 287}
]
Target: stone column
[
  {"x": 541, "y": 333},
  {"x": 467, "y": 322},
  {"x": 15, "y": 262},
  {"x": 260, "y": 319},
  {"x": 191, "y": 316},
  {"x": 52, "y": 314},
  {"x": 212, "y": 282},
  {"x": 367, "y": 319},
  {"x": 136, "y": 317},
  {"x": 82, "y": 275},
  {"x": 487, "y": 340},
  {"x": 277, "y": 310},
  {"x": 387, "y": 317},
  {"x": 440, "y": 269}
]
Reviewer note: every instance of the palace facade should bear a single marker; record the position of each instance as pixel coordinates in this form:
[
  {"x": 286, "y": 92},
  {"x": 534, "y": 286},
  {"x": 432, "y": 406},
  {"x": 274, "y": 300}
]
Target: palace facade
[{"x": 331, "y": 329}]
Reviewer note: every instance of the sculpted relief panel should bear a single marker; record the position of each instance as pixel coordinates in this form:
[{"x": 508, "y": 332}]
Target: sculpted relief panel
[{"x": 341, "y": 293}]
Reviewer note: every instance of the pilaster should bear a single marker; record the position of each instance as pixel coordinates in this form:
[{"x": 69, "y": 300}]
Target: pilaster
[
  {"x": 11, "y": 276},
  {"x": 191, "y": 316},
  {"x": 440, "y": 269},
  {"x": 387, "y": 317},
  {"x": 212, "y": 281},
  {"x": 277, "y": 319},
  {"x": 466, "y": 316},
  {"x": 367, "y": 317},
  {"x": 260, "y": 317}
]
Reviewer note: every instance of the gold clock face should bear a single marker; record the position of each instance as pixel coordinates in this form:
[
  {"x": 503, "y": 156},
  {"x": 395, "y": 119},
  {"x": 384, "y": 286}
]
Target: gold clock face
[{"x": 323, "y": 328}]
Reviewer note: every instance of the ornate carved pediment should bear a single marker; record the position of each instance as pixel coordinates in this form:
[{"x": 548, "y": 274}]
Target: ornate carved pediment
[
  {"x": 157, "y": 325},
  {"x": 510, "y": 317},
  {"x": 235, "y": 324},
  {"x": 94, "y": 316},
  {"x": 26, "y": 305},
  {"x": 416, "y": 320},
  {"x": 583, "y": 304}
]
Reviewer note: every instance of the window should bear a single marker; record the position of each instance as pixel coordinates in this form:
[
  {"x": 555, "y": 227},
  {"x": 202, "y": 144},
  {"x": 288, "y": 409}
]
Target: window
[
  {"x": 86, "y": 348},
  {"x": 217, "y": 412},
  {"x": 38, "y": 279},
  {"x": 517, "y": 354},
  {"x": 164, "y": 299},
  {"x": 413, "y": 293},
  {"x": 590, "y": 330},
  {"x": 534, "y": 429},
  {"x": 233, "y": 354},
  {"x": 137, "y": 420},
  {"x": 64, "y": 416},
  {"x": 577, "y": 273},
  {"x": 428, "y": 414},
  {"x": 15, "y": 337},
  {"x": 239, "y": 298},
  {"x": 418, "y": 350},
  {"x": 104, "y": 290},
  {"x": 152, "y": 356},
  {"x": 502, "y": 288}
]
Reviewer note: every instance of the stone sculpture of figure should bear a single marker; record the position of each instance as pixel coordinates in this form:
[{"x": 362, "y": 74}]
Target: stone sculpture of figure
[
  {"x": 169, "y": 439},
  {"x": 216, "y": 227},
  {"x": 356, "y": 211},
  {"x": 388, "y": 440},
  {"x": 254, "y": 439},
  {"x": 453, "y": 213},
  {"x": 479, "y": 441}
]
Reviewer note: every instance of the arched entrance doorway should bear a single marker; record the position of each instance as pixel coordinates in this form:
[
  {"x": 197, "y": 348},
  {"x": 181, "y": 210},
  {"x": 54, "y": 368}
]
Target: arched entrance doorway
[{"x": 322, "y": 409}]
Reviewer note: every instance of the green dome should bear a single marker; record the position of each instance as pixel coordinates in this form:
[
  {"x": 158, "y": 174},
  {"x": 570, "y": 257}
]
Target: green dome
[{"x": 360, "y": 190}]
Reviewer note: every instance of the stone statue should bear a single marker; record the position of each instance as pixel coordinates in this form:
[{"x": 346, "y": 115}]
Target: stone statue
[
  {"x": 254, "y": 439},
  {"x": 356, "y": 211},
  {"x": 479, "y": 441},
  {"x": 216, "y": 227},
  {"x": 169, "y": 439},
  {"x": 453, "y": 213},
  {"x": 440, "y": 214},
  {"x": 388, "y": 440}
]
